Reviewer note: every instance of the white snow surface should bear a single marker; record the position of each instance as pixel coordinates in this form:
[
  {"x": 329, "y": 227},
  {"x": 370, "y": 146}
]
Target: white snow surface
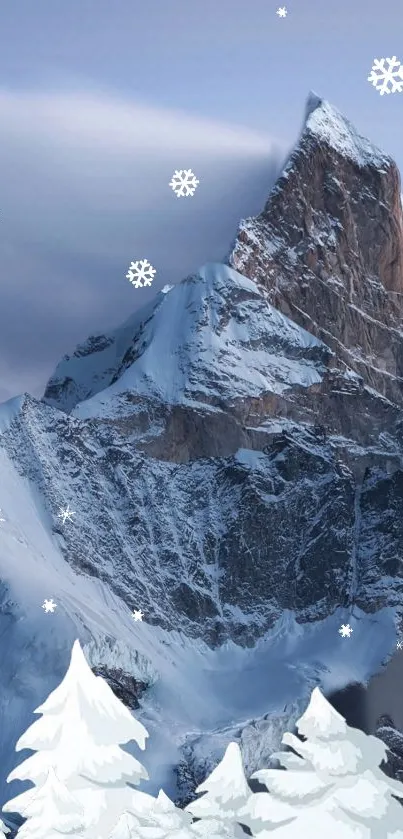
[
  {"x": 213, "y": 336},
  {"x": 225, "y": 790},
  {"x": 196, "y": 692},
  {"x": 327, "y": 123}
]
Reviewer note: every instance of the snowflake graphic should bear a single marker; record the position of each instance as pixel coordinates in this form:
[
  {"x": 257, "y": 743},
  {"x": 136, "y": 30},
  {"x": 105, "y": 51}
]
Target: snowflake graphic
[
  {"x": 141, "y": 273},
  {"x": 184, "y": 183},
  {"x": 399, "y": 645},
  {"x": 137, "y": 615},
  {"x": 65, "y": 513},
  {"x": 281, "y": 11},
  {"x": 387, "y": 79},
  {"x": 49, "y": 605},
  {"x": 345, "y": 630}
]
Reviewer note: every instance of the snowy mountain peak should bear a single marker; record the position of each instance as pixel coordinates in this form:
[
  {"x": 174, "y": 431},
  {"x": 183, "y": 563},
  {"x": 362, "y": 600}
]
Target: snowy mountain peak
[
  {"x": 313, "y": 101},
  {"x": 328, "y": 125},
  {"x": 81, "y": 691}
]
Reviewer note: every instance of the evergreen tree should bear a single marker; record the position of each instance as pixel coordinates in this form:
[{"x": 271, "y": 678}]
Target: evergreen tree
[
  {"x": 3, "y": 829},
  {"x": 226, "y": 791},
  {"x": 332, "y": 782},
  {"x": 51, "y": 812},
  {"x": 79, "y": 735}
]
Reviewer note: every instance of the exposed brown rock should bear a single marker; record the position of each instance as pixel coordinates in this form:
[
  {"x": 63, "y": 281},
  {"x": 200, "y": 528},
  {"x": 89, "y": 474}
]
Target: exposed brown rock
[{"x": 328, "y": 247}]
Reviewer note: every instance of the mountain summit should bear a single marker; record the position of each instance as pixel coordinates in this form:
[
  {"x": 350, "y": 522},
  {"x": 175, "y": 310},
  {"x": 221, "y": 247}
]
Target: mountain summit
[
  {"x": 328, "y": 247},
  {"x": 232, "y": 454}
]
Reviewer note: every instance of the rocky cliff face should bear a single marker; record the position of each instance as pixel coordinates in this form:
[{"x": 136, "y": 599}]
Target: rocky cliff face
[
  {"x": 233, "y": 455},
  {"x": 328, "y": 247}
]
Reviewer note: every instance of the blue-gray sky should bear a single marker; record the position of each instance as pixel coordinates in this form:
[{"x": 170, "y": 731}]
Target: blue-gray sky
[{"x": 100, "y": 100}]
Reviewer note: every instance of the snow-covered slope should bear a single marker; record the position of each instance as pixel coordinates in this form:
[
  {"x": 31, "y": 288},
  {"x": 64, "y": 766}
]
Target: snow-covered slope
[
  {"x": 94, "y": 363},
  {"x": 213, "y": 337}
]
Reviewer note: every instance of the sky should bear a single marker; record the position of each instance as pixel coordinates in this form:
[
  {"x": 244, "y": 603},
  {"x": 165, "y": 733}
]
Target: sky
[{"x": 101, "y": 100}]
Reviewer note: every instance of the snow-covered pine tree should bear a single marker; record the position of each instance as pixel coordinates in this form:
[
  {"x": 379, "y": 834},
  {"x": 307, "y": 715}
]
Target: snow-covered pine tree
[
  {"x": 51, "y": 812},
  {"x": 161, "y": 820},
  {"x": 263, "y": 813},
  {"x": 3, "y": 829},
  {"x": 125, "y": 828},
  {"x": 333, "y": 781},
  {"x": 226, "y": 792},
  {"x": 79, "y": 735}
]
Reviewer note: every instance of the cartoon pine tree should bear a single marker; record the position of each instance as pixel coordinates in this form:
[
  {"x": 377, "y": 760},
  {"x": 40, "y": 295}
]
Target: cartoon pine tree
[
  {"x": 3, "y": 829},
  {"x": 332, "y": 781},
  {"x": 226, "y": 791},
  {"x": 79, "y": 735},
  {"x": 156, "y": 818}
]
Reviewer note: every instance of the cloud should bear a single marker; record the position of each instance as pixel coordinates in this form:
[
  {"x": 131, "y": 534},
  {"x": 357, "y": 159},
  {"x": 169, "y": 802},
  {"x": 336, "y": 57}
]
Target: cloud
[{"x": 84, "y": 191}]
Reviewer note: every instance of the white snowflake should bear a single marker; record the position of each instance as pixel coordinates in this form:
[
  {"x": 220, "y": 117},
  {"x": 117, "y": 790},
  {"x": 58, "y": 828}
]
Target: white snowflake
[
  {"x": 65, "y": 513},
  {"x": 281, "y": 11},
  {"x": 1, "y": 517},
  {"x": 141, "y": 273},
  {"x": 184, "y": 182},
  {"x": 387, "y": 79},
  {"x": 49, "y": 605},
  {"x": 399, "y": 645},
  {"x": 137, "y": 615},
  {"x": 345, "y": 630}
]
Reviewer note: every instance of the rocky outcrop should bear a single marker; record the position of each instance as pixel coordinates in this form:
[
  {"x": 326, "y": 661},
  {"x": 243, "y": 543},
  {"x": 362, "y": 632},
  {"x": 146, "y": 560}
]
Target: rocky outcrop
[
  {"x": 124, "y": 686},
  {"x": 328, "y": 247}
]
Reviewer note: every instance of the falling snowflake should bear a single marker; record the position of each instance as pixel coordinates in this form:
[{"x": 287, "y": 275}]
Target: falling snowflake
[
  {"x": 1, "y": 518},
  {"x": 184, "y": 183},
  {"x": 399, "y": 645},
  {"x": 345, "y": 630},
  {"x": 65, "y": 513},
  {"x": 387, "y": 79},
  {"x": 137, "y": 616},
  {"x": 281, "y": 11},
  {"x": 141, "y": 273},
  {"x": 49, "y": 605}
]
